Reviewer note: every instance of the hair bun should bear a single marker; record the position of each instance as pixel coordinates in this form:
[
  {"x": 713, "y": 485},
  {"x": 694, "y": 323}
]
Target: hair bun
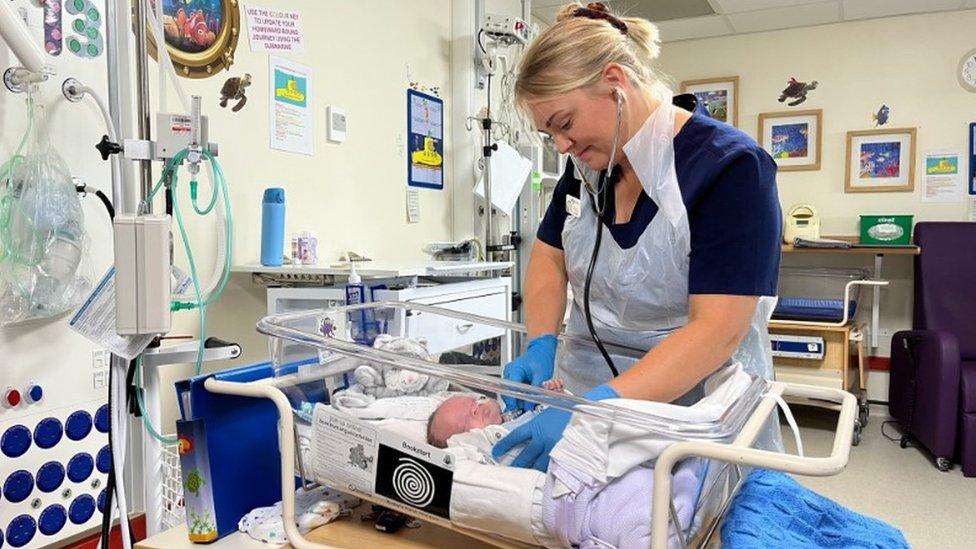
[{"x": 598, "y": 6}]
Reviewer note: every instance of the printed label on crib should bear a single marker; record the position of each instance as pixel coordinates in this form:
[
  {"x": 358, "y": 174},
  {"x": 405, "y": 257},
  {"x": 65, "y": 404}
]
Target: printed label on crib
[
  {"x": 345, "y": 450},
  {"x": 414, "y": 473}
]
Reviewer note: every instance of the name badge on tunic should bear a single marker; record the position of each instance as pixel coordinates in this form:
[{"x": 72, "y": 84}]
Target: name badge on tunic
[{"x": 573, "y": 206}]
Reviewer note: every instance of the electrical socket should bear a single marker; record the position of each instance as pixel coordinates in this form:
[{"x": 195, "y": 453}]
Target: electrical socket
[
  {"x": 100, "y": 380},
  {"x": 100, "y": 358}
]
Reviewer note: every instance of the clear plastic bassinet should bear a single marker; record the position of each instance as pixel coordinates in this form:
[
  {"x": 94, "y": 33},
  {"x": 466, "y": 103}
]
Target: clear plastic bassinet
[{"x": 409, "y": 349}]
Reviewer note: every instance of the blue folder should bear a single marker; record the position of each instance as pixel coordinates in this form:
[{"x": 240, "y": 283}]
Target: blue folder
[{"x": 229, "y": 452}]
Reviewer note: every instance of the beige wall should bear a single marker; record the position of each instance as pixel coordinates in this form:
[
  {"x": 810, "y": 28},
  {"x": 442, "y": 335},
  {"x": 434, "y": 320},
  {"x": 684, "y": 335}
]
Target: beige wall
[
  {"x": 363, "y": 56},
  {"x": 353, "y": 195},
  {"x": 908, "y": 63}
]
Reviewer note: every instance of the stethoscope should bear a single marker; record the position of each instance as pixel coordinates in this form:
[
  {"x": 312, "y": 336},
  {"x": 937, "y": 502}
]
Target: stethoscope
[{"x": 598, "y": 195}]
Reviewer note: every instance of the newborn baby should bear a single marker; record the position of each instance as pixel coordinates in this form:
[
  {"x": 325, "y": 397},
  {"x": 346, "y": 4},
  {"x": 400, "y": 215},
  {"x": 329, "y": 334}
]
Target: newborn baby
[
  {"x": 461, "y": 414},
  {"x": 575, "y": 511}
]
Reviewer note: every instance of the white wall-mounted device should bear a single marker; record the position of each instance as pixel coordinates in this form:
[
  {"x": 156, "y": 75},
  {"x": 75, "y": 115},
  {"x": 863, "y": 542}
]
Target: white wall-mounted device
[
  {"x": 142, "y": 274},
  {"x": 506, "y": 29},
  {"x": 174, "y": 132},
  {"x": 335, "y": 124}
]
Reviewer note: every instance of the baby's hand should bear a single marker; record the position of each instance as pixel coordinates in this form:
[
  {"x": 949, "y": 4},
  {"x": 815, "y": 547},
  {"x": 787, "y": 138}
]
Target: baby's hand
[{"x": 553, "y": 385}]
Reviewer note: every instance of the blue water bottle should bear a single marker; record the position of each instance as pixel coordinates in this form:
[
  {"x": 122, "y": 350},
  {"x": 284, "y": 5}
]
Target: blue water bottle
[{"x": 272, "y": 227}]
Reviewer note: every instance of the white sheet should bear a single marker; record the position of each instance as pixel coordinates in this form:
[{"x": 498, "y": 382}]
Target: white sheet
[
  {"x": 506, "y": 501},
  {"x": 400, "y": 407},
  {"x": 604, "y": 449}
]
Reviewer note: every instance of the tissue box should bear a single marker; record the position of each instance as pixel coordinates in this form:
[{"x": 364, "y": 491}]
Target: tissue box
[{"x": 886, "y": 230}]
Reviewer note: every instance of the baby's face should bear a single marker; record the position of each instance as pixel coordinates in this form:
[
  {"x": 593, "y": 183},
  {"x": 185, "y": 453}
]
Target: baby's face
[{"x": 460, "y": 414}]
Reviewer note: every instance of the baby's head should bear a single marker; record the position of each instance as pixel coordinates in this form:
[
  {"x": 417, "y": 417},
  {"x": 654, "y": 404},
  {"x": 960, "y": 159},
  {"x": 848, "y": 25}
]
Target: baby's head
[{"x": 460, "y": 414}]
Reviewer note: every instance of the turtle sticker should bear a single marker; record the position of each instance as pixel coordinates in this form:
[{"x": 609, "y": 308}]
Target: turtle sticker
[
  {"x": 194, "y": 481},
  {"x": 797, "y": 91}
]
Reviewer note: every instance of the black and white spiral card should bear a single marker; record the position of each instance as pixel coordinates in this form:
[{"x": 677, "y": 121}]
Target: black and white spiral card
[{"x": 414, "y": 474}]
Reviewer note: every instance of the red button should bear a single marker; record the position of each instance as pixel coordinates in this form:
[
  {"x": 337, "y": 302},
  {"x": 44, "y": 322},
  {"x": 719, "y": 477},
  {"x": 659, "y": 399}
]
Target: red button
[{"x": 13, "y": 397}]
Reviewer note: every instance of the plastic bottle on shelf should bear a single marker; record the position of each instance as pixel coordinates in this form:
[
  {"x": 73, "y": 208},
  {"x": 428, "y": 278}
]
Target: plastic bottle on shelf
[{"x": 272, "y": 227}]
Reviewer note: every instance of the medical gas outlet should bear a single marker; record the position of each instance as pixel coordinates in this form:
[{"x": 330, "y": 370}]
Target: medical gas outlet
[
  {"x": 175, "y": 132},
  {"x": 505, "y": 29}
]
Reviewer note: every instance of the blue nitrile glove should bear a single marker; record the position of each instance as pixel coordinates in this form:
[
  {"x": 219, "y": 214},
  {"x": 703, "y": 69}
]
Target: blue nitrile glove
[
  {"x": 542, "y": 432},
  {"x": 532, "y": 368}
]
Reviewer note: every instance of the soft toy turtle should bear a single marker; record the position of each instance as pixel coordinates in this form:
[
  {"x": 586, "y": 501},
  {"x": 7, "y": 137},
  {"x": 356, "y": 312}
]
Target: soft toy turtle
[{"x": 233, "y": 89}]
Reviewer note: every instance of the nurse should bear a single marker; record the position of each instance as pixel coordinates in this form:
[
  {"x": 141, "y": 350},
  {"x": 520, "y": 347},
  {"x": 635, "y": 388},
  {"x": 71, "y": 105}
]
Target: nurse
[{"x": 670, "y": 252}]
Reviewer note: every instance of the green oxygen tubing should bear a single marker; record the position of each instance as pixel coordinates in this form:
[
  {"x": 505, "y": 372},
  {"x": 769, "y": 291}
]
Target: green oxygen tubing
[{"x": 201, "y": 297}]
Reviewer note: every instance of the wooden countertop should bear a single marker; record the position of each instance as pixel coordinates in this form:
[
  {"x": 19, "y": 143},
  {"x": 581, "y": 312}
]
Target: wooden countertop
[{"x": 870, "y": 250}]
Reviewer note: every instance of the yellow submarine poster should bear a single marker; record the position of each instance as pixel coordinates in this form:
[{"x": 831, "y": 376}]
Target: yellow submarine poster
[
  {"x": 425, "y": 119},
  {"x": 943, "y": 181},
  {"x": 291, "y": 115}
]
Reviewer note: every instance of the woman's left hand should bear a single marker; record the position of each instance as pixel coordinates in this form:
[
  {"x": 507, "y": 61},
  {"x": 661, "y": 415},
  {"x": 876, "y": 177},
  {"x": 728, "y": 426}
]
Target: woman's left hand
[{"x": 542, "y": 433}]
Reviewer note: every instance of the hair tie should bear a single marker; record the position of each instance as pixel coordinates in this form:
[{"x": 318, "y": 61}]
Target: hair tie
[{"x": 598, "y": 10}]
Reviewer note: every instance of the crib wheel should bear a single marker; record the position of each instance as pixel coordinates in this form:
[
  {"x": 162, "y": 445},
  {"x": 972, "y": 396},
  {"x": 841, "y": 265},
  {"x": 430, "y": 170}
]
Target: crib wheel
[
  {"x": 943, "y": 464},
  {"x": 856, "y": 438}
]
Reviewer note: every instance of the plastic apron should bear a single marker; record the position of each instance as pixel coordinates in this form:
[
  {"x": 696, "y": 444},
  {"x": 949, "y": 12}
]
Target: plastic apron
[{"x": 639, "y": 295}]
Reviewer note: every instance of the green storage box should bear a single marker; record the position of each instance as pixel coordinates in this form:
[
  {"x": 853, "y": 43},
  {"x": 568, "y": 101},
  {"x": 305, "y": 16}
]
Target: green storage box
[{"x": 886, "y": 230}]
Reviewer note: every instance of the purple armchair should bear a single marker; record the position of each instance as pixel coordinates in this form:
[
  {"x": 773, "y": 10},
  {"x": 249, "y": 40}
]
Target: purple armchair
[{"x": 932, "y": 390}]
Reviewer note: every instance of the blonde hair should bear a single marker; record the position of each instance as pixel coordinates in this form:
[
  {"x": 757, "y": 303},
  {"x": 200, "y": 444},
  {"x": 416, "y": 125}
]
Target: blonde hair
[{"x": 573, "y": 52}]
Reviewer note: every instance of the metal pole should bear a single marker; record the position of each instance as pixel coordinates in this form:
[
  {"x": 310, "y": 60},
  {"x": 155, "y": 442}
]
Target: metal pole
[
  {"x": 114, "y": 106},
  {"x": 876, "y": 303},
  {"x": 486, "y": 154},
  {"x": 117, "y": 59},
  {"x": 142, "y": 94}
]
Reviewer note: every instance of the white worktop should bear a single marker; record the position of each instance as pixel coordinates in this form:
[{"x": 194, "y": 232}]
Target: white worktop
[{"x": 382, "y": 269}]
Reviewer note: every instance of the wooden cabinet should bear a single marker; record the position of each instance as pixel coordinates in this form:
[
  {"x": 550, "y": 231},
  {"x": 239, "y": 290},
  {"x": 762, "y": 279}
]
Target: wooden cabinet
[{"x": 842, "y": 366}]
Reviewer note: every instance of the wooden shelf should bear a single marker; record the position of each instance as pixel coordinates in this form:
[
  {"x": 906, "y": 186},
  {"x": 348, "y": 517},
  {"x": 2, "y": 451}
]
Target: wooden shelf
[
  {"x": 794, "y": 327},
  {"x": 872, "y": 250}
]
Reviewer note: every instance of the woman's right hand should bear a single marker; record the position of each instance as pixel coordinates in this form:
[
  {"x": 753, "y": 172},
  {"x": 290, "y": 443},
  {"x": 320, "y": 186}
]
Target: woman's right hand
[{"x": 532, "y": 368}]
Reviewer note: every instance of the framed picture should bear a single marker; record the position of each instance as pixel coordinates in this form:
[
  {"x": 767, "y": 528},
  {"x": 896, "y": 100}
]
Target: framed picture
[
  {"x": 719, "y": 96},
  {"x": 793, "y": 138},
  {"x": 881, "y": 160},
  {"x": 972, "y": 158},
  {"x": 201, "y": 35}
]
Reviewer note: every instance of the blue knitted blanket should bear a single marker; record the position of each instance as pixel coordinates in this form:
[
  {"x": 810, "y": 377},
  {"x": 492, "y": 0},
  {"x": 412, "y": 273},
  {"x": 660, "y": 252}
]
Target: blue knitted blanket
[{"x": 773, "y": 510}]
